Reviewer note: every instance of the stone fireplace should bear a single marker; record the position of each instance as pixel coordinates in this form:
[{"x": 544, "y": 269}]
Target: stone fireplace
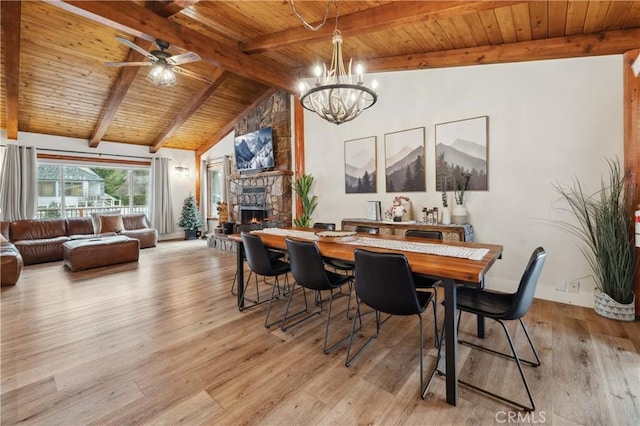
[
  {"x": 265, "y": 196},
  {"x": 261, "y": 197}
]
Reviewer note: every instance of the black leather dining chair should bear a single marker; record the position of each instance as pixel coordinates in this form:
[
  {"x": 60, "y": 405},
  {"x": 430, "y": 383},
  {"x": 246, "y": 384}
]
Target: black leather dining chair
[
  {"x": 308, "y": 270},
  {"x": 324, "y": 225},
  {"x": 273, "y": 254},
  {"x": 261, "y": 264},
  {"x": 367, "y": 230},
  {"x": 421, "y": 233},
  {"x": 427, "y": 283},
  {"x": 336, "y": 264},
  {"x": 384, "y": 282},
  {"x": 503, "y": 307}
]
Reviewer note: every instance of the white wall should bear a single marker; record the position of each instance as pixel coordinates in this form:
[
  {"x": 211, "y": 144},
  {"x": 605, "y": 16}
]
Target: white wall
[
  {"x": 181, "y": 186},
  {"x": 222, "y": 148},
  {"x": 548, "y": 122}
]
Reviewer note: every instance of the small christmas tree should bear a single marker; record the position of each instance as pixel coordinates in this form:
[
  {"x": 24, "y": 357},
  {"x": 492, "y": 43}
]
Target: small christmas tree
[{"x": 190, "y": 217}]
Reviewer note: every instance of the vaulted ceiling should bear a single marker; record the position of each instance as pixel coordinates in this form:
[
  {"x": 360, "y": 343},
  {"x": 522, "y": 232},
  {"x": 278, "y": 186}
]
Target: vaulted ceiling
[{"x": 54, "y": 80}]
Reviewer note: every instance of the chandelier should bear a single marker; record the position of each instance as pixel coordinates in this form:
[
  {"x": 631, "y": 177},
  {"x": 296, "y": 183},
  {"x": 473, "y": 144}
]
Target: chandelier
[
  {"x": 337, "y": 96},
  {"x": 161, "y": 74}
]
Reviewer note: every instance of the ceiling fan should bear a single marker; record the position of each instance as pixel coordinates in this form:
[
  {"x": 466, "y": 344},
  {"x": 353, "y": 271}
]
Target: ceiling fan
[{"x": 164, "y": 64}]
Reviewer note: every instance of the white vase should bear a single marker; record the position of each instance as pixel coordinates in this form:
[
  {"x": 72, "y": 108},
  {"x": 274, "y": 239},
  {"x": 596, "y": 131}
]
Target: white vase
[
  {"x": 446, "y": 216},
  {"x": 459, "y": 216},
  {"x": 606, "y": 307}
]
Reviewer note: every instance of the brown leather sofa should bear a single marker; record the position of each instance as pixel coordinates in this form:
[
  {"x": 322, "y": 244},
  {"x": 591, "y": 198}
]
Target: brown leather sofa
[
  {"x": 10, "y": 263},
  {"x": 40, "y": 240}
]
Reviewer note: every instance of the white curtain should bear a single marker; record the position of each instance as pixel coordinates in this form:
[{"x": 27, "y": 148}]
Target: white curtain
[
  {"x": 19, "y": 186},
  {"x": 226, "y": 167},
  {"x": 161, "y": 215},
  {"x": 203, "y": 196}
]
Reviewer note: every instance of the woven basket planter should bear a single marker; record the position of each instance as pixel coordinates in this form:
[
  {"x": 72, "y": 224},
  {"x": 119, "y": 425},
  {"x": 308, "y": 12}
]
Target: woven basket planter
[{"x": 605, "y": 306}]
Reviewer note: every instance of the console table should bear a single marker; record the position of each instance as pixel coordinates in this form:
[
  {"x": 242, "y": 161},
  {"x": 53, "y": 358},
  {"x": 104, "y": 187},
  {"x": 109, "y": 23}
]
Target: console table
[{"x": 449, "y": 232}]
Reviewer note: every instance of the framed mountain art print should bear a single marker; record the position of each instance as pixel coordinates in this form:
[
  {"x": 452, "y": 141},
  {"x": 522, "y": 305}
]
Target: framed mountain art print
[
  {"x": 360, "y": 166},
  {"x": 462, "y": 149},
  {"x": 404, "y": 154}
]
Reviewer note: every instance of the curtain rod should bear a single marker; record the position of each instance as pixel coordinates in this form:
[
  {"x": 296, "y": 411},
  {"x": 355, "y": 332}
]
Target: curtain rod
[{"x": 100, "y": 154}]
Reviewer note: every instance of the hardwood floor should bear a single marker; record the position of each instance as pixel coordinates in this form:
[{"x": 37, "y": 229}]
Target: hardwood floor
[{"x": 161, "y": 342}]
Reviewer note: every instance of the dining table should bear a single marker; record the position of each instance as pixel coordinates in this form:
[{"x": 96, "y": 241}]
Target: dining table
[{"x": 450, "y": 262}]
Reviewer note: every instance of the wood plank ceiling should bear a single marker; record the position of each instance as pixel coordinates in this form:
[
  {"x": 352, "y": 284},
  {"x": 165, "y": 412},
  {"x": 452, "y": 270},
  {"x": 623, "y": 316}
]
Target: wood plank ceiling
[{"x": 54, "y": 80}]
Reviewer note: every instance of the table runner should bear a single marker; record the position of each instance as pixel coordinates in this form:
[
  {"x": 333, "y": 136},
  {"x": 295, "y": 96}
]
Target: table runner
[{"x": 427, "y": 248}]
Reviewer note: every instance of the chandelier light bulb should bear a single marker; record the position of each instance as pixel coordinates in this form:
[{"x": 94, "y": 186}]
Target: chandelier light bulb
[{"x": 359, "y": 71}]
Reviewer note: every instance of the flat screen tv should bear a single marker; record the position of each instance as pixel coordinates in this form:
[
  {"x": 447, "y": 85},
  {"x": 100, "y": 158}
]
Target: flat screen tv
[{"x": 254, "y": 151}]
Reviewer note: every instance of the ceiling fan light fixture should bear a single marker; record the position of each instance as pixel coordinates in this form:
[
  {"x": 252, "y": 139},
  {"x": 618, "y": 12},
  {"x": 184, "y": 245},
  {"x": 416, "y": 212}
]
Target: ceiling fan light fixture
[{"x": 162, "y": 75}]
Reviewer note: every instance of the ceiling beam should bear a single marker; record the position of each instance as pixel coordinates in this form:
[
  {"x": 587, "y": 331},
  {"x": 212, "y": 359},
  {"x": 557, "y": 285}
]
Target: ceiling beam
[
  {"x": 118, "y": 93},
  {"x": 137, "y": 20},
  {"x": 230, "y": 125},
  {"x": 128, "y": 74},
  {"x": 175, "y": 7},
  {"x": 11, "y": 12},
  {"x": 194, "y": 104},
  {"x": 379, "y": 18},
  {"x": 606, "y": 43}
]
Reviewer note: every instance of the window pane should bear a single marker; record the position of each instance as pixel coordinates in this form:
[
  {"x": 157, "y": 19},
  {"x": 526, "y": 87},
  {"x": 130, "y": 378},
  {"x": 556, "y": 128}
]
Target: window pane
[
  {"x": 114, "y": 189},
  {"x": 49, "y": 195},
  {"x": 215, "y": 190},
  {"x": 82, "y": 189},
  {"x": 73, "y": 191}
]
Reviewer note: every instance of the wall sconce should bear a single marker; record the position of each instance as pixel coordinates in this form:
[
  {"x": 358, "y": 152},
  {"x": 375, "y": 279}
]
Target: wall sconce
[{"x": 181, "y": 171}]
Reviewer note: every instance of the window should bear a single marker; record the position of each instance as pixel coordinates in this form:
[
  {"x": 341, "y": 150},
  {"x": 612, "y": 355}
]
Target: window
[
  {"x": 215, "y": 186},
  {"x": 90, "y": 189}
]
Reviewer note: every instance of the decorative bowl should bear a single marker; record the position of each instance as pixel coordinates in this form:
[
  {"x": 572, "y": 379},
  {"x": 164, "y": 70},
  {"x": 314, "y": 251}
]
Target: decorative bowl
[{"x": 336, "y": 236}]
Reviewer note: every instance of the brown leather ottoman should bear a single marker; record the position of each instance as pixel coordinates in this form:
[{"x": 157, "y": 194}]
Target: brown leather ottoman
[{"x": 96, "y": 252}]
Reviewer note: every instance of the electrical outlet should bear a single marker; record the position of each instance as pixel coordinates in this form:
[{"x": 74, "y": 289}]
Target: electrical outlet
[
  {"x": 573, "y": 286},
  {"x": 561, "y": 285}
]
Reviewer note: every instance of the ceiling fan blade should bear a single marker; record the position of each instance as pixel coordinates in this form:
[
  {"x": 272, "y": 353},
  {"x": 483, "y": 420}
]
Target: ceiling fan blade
[
  {"x": 192, "y": 75},
  {"x": 183, "y": 58},
  {"x": 128, "y": 64},
  {"x": 135, "y": 47}
]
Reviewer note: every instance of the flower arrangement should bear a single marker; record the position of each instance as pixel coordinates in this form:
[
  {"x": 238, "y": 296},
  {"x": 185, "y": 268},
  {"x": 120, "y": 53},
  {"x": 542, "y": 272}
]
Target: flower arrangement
[
  {"x": 460, "y": 187},
  {"x": 398, "y": 207},
  {"x": 445, "y": 198}
]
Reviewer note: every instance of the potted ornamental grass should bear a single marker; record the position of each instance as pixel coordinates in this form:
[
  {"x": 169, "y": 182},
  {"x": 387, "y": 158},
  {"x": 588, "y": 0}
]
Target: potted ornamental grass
[{"x": 604, "y": 223}]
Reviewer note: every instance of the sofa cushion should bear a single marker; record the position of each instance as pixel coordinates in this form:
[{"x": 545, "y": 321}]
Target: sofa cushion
[
  {"x": 41, "y": 250},
  {"x": 148, "y": 237},
  {"x": 111, "y": 224},
  {"x": 36, "y": 229},
  {"x": 79, "y": 226},
  {"x": 3, "y": 239},
  {"x": 95, "y": 218},
  {"x": 134, "y": 221}
]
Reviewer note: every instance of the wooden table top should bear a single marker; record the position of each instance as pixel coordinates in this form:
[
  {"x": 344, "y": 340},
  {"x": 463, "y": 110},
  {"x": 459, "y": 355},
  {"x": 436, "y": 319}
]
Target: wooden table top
[{"x": 428, "y": 264}]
